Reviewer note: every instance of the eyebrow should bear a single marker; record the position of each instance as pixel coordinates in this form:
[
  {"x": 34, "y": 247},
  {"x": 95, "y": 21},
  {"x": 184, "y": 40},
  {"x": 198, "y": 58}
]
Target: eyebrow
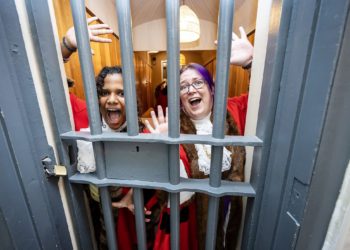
[{"x": 193, "y": 79}]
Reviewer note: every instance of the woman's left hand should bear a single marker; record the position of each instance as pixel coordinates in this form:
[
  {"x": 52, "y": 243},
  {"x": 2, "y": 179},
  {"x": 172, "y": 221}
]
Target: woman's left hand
[
  {"x": 160, "y": 123},
  {"x": 127, "y": 202},
  {"x": 241, "y": 49}
]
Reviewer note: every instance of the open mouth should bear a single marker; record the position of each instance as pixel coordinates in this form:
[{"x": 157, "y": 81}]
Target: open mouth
[
  {"x": 114, "y": 115},
  {"x": 195, "y": 101}
]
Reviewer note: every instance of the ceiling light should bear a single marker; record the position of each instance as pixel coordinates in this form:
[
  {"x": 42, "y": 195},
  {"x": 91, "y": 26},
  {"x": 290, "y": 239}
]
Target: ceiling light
[{"x": 189, "y": 25}]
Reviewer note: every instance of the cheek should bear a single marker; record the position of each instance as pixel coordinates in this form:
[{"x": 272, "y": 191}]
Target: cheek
[
  {"x": 122, "y": 101},
  {"x": 182, "y": 100}
]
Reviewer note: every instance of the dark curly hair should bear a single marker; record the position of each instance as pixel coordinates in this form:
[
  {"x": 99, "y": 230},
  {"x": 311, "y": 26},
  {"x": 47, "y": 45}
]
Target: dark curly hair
[{"x": 100, "y": 78}]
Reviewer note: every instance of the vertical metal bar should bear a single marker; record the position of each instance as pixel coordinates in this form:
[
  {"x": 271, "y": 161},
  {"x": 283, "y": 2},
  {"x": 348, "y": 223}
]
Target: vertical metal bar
[
  {"x": 108, "y": 217},
  {"x": 212, "y": 218},
  {"x": 83, "y": 41},
  {"x": 222, "y": 64},
  {"x": 124, "y": 24},
  {"x": 173, "y": 50},
  {"x": 172, "y": 17},
  {"x": 140, "y": 218}
]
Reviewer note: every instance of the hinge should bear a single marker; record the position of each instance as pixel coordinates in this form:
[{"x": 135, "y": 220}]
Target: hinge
[{"x": 52, "y": 169}]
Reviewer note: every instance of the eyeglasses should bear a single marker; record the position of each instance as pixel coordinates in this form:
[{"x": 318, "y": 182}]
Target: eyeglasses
[{"x": 185, "y": 88}]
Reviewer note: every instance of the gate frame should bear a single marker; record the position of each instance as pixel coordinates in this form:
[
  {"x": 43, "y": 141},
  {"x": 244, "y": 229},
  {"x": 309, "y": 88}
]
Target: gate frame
[{"x": 278, "y": 64}]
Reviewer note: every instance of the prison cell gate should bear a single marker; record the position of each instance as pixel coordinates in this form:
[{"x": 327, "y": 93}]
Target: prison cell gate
[
  {"x": 298, "y": 67},
  {"x": 166, "y": 157}
]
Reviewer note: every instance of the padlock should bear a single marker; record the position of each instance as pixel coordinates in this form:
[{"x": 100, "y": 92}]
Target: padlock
[{"x": 60, "y": 170}]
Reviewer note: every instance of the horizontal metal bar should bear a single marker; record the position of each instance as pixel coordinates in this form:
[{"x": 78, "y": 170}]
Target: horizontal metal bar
[
  {"x": 195, "y": 185},
  {"x": 162, "y": 138}
]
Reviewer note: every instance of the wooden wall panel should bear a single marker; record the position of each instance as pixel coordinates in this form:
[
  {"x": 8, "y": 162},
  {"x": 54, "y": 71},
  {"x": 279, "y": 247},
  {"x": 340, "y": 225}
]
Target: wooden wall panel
[{"x": 105, "y": 54}]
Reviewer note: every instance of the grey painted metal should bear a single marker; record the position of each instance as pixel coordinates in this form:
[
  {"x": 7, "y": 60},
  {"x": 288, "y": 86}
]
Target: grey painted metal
[
  {"x": 160, "y": 138},
  {"x": 334, "y": 151},
  {"x": 108, "y": 216},
  {"x": 327, "y": 35},
  {"x": 173, "y": 51},
  {"x": 126, "y": 49},
  {"x": 175, "y": 220},
  {"x": 276, "y": 48},
  {"x": 140, "y": 218},
  {"x": 23, "y": 136},
  {"x": 220, "y": 105},
  {"x": 195, "y": 185},
  {"x": 143, "y": 161},
  {"x": 18, "y": 222},
  {"x": 215, "y": 166},
  {"x": 83, "y": 41},
  {"x": 213, "y": 213},
  {"x": 43, "y": 35},
  {"x": 222, "y": 65},
  {"x": 174, "y": 178}
]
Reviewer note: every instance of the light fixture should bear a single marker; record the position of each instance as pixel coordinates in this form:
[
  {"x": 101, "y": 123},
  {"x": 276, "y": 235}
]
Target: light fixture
[{"x": 189, "y": 25}]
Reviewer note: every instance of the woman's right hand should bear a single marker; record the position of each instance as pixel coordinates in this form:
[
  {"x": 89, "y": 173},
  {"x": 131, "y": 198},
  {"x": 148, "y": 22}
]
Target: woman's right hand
[
  {"x": 160, "y": 123},
  {"x": 95, "y": 31}
]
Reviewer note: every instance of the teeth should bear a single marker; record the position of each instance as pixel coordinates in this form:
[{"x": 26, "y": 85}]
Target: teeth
[{"x": 194, "y": 100}]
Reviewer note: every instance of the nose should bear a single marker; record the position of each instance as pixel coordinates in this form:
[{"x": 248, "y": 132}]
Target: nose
[
  {"x": 190, "y": 89},
  {"x": 112, "y": 99}
]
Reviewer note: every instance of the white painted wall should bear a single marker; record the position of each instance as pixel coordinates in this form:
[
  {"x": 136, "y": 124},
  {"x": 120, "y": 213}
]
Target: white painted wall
[
  {"x": 152, "y": 36},
  {"x": 104, "y": 10},
  {"x": 246, "y": 15},
  {"x": 257, "y": 73}
]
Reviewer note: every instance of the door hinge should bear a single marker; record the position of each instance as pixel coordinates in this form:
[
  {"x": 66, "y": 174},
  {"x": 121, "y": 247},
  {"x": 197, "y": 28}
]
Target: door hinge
[{"x": 52, "y": 169}]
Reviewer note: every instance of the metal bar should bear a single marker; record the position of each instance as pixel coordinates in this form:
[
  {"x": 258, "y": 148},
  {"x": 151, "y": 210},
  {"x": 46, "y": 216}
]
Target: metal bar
[
  {"x": 173, "y": 50},
  {"x": 140, "y": 218},
  {"x": 108, "y": 217},
  {"x": 183, "y": 139},
  {"x": 174, "y": 171},
  {"x": 124, "y": 24},
  {"x": 216, "y": 160},
  {"x": 220, "y": 106},
  {"x": 175, "y": 220},
  {"x": 213, "y": 209},
  {"x": 39, "y": 17},
  {"x": 83, "y": 41},
  {"x": 195, "y": 185},
  {"x": 222, "y": 63}
]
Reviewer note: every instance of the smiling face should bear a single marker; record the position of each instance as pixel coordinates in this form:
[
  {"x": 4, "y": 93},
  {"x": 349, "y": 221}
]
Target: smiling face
[
  {"x": 111, "y": 100},
  {"x": 197, "y": 103}
]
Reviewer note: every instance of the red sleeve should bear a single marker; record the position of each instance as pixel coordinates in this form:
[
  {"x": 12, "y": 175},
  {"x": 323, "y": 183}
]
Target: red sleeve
[
  {"x": 79, "y": 111},
  {"x": 237, "y": 106},
  {"x": 185, "y": 161}
]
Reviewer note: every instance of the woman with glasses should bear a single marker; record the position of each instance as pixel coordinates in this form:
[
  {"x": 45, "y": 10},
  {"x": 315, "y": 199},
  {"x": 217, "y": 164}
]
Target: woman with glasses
[{"x": 196, "y": 117}]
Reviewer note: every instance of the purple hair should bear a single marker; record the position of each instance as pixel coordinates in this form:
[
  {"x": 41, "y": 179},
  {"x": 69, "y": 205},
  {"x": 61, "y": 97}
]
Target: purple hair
[{"x": 202, "y": 71}]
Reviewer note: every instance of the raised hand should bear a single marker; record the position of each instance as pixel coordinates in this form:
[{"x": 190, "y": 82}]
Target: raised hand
[
  {"x": 95, "y": 31},
  {"x": 241, "y": 49},
  {"x": 160, "y": 123}
]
